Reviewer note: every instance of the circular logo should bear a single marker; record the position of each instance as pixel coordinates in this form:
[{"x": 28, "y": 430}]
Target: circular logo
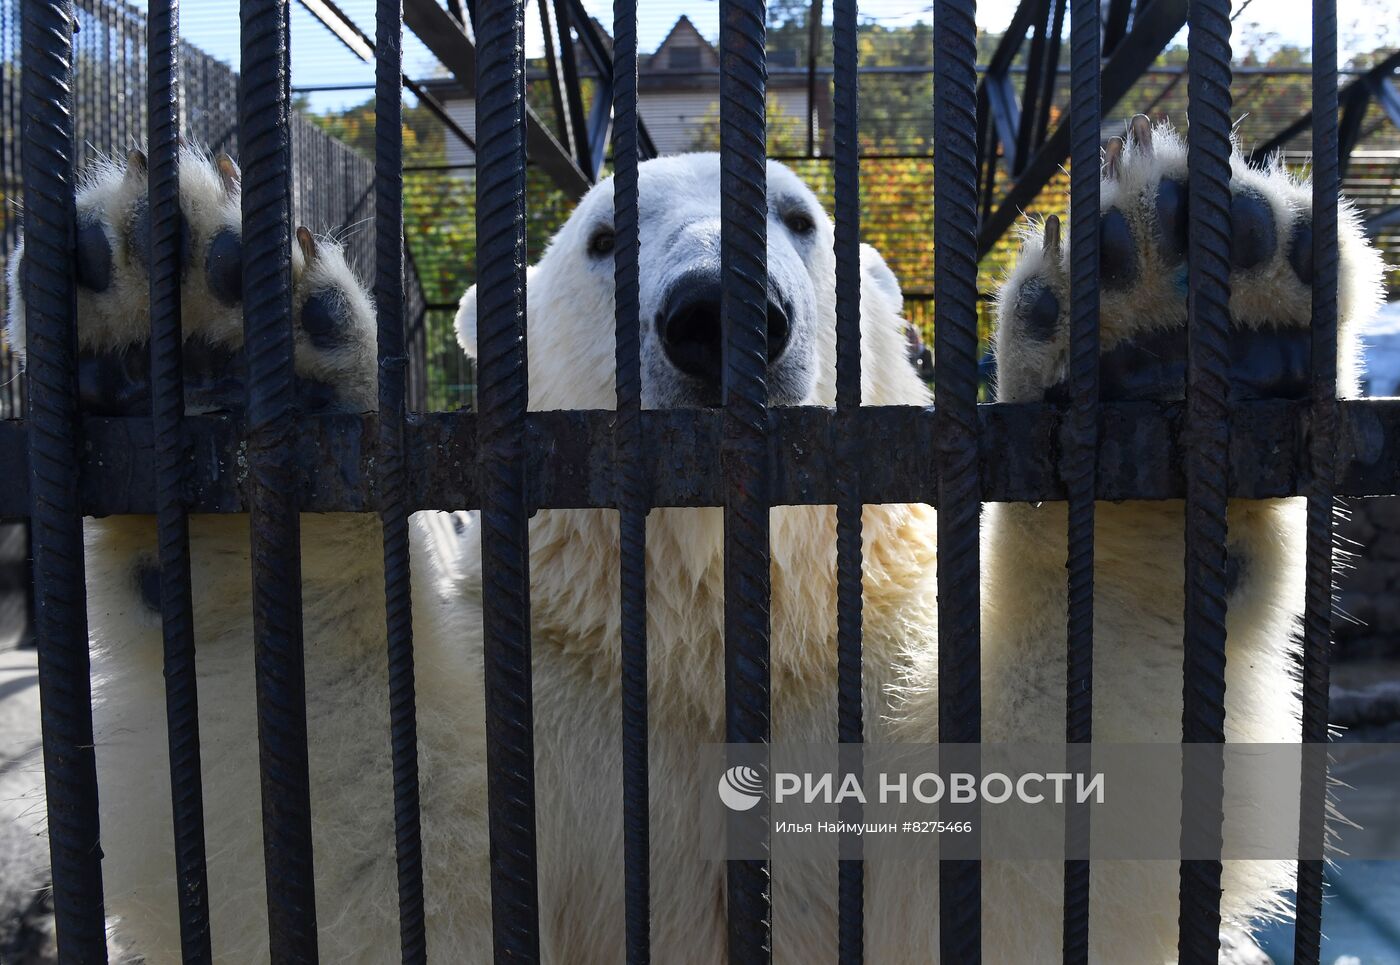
[{"x": 740, "y": 787}]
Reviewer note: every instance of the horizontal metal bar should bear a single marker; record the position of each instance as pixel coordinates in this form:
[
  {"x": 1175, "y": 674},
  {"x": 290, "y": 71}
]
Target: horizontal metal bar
[{"x": 1140, "y": 456}]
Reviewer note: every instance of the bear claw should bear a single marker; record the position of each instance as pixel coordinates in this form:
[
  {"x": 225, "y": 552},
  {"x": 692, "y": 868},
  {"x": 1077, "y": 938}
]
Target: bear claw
[{"x": 1113, "y": 155}]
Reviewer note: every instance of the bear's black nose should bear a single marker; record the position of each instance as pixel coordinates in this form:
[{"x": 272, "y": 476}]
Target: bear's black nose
[{"x": 691, "y": 333}]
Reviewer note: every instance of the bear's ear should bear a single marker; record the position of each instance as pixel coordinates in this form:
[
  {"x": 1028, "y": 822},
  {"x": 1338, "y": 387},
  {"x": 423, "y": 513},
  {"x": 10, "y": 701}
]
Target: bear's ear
[
  {"x": 466, "y": 323},
  {"x": 877, "y": 278},
  {"x": 466, "y": 317}
]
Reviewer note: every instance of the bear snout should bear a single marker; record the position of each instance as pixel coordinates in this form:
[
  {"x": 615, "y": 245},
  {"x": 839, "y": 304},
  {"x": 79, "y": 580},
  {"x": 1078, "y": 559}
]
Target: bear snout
[{"x": 691, "y": 332}]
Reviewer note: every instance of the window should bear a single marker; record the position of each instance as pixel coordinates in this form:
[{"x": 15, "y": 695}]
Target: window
[{"x": 684, "y": 58}]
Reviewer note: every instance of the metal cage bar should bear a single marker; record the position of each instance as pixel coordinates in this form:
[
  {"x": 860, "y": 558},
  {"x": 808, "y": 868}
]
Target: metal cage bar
[
  {"x": 1141, "y": 454},
  {"x": 56, "y": 527},
  {"x": 172, "y": 522},
  {"x": 1080, "y": 447},
  {"x": 393, "y": 513},
  {"x": 1207, "y": 461},
  {"x": 501, "y": 401},
  {"x": 1317, "y": 609},
  {"x": 956, "y": 441},
  {"x": 850, "y": 722},
  {"x": 632, "y": 491},
  {"x": 265, "y": 140},
  {"x": 744, "y": 449}
]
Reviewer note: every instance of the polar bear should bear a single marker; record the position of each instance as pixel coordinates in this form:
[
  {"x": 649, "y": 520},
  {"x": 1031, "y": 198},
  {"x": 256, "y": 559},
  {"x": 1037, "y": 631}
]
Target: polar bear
[
  {"x": 1139, "y": 546},
  {"x": 574, "y": 593}
]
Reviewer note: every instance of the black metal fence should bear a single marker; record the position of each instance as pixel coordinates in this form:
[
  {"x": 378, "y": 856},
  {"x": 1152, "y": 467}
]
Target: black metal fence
[{"x": 744, "y": 457}]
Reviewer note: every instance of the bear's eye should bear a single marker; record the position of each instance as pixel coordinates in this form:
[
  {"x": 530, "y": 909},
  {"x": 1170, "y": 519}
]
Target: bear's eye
[
  {"x": 799, "y": 222},
  {"x": 601, "y": 242}
]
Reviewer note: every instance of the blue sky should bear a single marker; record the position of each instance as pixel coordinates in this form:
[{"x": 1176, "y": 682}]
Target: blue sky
[{"x": 319, "y": 59}]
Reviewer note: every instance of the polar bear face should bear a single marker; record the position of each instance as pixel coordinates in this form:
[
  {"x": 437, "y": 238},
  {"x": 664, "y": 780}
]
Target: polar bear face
[{"x": 571, "y": 303}]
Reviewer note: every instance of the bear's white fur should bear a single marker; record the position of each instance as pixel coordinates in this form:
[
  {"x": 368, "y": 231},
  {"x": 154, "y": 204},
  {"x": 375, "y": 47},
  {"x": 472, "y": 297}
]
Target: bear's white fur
[{"x": 575, "y": 613}]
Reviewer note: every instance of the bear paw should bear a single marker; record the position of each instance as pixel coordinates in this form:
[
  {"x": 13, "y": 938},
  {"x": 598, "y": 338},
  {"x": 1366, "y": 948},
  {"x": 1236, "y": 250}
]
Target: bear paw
[
  {"x": 333, "y": 318},
  {"x": 1143, "y": 255}
]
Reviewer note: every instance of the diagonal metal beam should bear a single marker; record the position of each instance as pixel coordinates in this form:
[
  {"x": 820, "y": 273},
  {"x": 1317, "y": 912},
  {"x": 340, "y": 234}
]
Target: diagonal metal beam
[
  {"x": 1115, "y": 25},
  {"x": 556, "y": 75},
  {"x": 1389, "y": 218},
  {"x": 447, "y": 40},
  {"x": 599, "y": 51},
  {"x": 1383, "y": 90},
  {"x": 1349, "y": 132},
  {"x": 1153, "y": 27},
  {"x": 359, "y": 44},
  {"x": 1383, "y": 69},
  {"x": 573, "y": 89}
]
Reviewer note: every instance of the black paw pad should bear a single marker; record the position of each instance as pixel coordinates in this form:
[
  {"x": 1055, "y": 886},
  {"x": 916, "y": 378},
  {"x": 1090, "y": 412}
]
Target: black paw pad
[
  {"x": 1300, "y": 249},
  {"x": 1118, "y": 266},
  {"x": 1039, "y": 312},
  {"x": 139, "y": 242},
  {"x": 94, "y": 257},
  {"x": 224, "y": 266},
  {"x": 115, "y": 383},
  {"x": 148, "y": 584},
  {"x": 1253, "y": 236},
  {"x": 325, "y": 317},
  {"x": 1172, "y": 218}
]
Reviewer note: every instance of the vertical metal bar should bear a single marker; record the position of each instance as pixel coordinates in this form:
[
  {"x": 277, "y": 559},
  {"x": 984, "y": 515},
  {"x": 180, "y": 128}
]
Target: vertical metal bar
[
  {"x": 265, "y": 137},
  {"x": 633, "y": 495},
  {"x": 1207, "y": 428},
  {"x": 1081, "y": 446},
  {"x": 393, "y": 513},
  {"x": 60, "y": 613},
  {"x": 814, "y": 40},
  {"x": 744, "y": 279},
  {"x": 502, "y": 399},
  {"x": 850, "y": 723},
  {"x": 1317, "y": 610},
  {"x": 172, "y": 523},
  {"x": 955, "y": 399}
]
